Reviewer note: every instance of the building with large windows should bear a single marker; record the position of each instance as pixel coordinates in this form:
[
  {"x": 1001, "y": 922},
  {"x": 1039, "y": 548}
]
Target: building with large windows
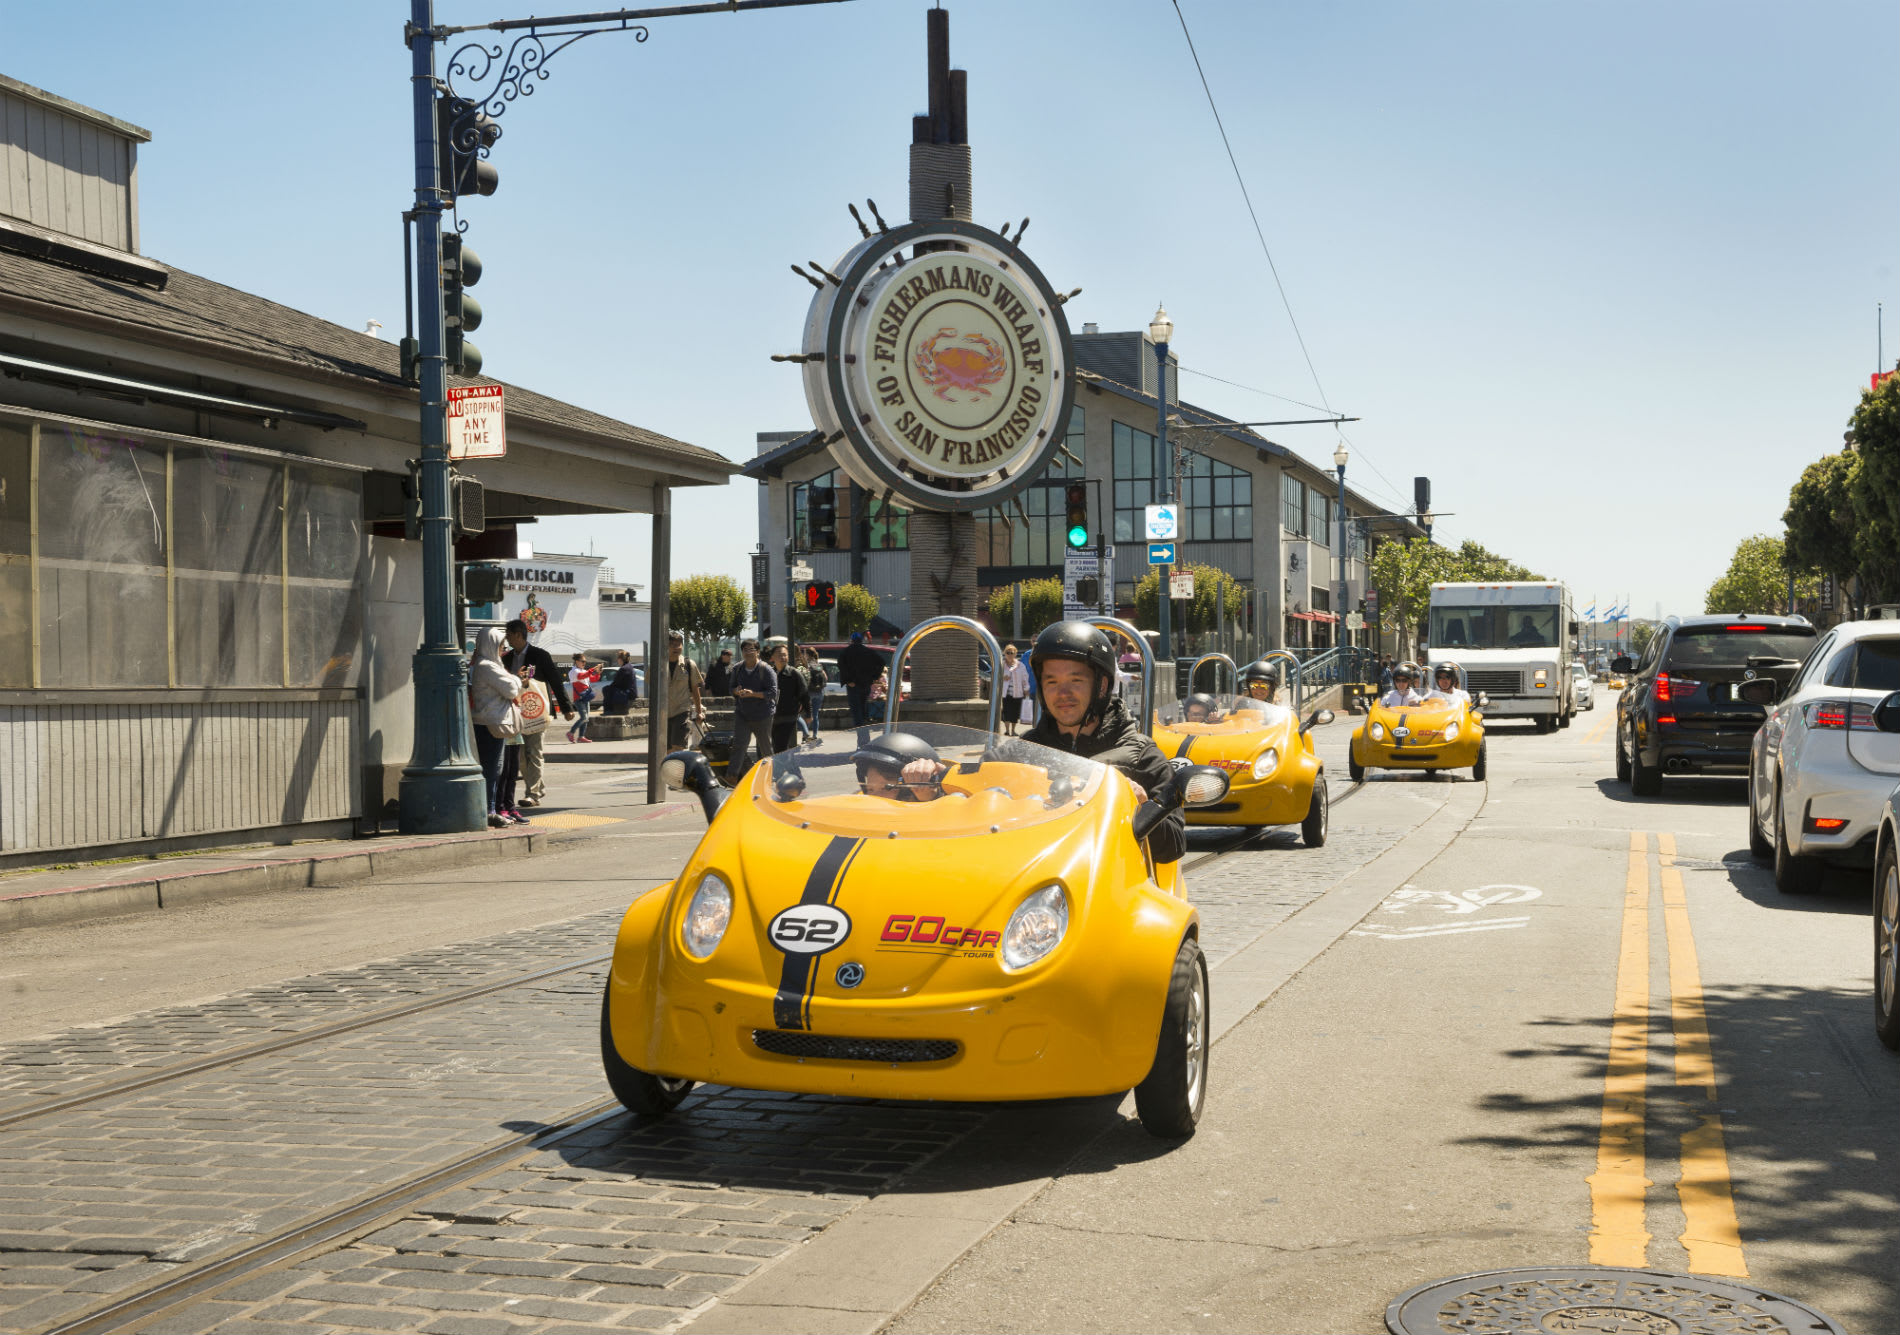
[{"x": 1228, "y": 477}]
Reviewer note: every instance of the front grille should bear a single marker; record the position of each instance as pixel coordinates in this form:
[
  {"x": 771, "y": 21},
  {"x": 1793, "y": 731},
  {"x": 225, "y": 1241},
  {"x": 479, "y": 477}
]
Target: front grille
[
  {"x": 829, "y": 1047},
  {"x": 1495, "y": 682}
]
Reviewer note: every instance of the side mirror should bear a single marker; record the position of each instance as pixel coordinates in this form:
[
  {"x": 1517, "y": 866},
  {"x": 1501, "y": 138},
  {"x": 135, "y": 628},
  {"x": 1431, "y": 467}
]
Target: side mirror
[
  {"x": 1576, "y": 628},
  {"x": 1887, "y": 713},
  {"x": 688, "y": 772},
  {"x": 1319, "y": 720},
  {"x": 1622, "y": 663},
  {"x": 1765, "y": 691}
]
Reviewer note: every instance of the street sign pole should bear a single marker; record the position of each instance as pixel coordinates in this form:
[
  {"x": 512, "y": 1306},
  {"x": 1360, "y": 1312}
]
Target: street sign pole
[{"x": 442, "y": 791}]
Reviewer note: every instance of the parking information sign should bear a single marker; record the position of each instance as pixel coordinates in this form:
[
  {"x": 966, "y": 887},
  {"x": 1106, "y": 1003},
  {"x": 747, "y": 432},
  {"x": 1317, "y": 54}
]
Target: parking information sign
[
  {"x": 1181, "y": 586},
  {"x": 1163, "y": 520},
  {"x": 1081, "y": 585},
  {"x": 477, "y": 427}
]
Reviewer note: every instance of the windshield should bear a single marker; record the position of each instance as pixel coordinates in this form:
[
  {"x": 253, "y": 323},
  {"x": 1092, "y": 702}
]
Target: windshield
[
  {"x": 1220, "y": 715},
  {"x": 982, "y": 784},
  {"x": 1494, "y": 627},
  {"x": 1739, "y": 646}
]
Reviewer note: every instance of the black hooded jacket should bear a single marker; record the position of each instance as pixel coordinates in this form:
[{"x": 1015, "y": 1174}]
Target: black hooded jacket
[{"x": 1117, "y": 741}]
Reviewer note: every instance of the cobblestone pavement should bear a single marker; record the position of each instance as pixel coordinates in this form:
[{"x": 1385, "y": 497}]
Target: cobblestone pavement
[{"x": 623, "y": 1227}]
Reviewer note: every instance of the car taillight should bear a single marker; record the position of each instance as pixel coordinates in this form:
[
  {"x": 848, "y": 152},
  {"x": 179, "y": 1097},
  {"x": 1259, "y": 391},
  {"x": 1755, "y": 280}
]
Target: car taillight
[
  {"x": 1825, "y": 824},
  {"x": 1675, "y": 688},
  {"x": 1844, "y": 715}
]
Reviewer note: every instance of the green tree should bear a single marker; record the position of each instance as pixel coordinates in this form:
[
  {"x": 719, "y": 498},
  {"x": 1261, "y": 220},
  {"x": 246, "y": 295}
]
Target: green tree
[
  {"x": 1200, "y": 611},
  {"x": 856, "y": 606},
  {"x": 1477, "y": 564},
  {"x": 1042, "y": 606},
  {"x": 1757, "y": 581},
  {"x": 1821, "y": 518},
  {"x": 707, "y": 607},
  {"x": 1875, "y": 488},
  {"x": 1403, "y": 573}
]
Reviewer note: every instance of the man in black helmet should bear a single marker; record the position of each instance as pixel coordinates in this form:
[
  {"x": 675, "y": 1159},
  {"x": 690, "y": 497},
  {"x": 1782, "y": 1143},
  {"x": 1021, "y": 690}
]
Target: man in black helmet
[
  {"x": 1200, "y": 708},
  {"x": 900, "y": 766},
  {"x": 1073, "y": 668},
  {"x": 1259, "y": 685}
]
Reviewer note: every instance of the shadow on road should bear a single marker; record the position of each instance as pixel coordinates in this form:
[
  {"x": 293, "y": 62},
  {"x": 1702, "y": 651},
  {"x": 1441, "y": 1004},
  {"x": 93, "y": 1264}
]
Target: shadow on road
[{"x": 1688, "y": 791}]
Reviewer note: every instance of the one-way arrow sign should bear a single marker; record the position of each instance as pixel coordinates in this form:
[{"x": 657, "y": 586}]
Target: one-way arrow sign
[{"x": 1160, "y": 553}]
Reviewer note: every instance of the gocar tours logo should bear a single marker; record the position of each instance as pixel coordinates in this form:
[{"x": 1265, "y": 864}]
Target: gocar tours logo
[{"x": 938, "y": 366}]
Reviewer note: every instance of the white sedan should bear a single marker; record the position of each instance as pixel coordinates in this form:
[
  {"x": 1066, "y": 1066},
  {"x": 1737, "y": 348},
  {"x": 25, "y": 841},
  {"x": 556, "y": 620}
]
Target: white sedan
[
  {"x": 1582, "y": 691},
  {"x": 1819, "y": 772}
]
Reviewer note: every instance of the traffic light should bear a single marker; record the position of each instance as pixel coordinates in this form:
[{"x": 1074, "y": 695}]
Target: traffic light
[
  {"x": 1077, "y": 528},
  {"x": 461, "y": 313},
  {"x": 821, "y": 515},
  {"x": 821, "y": 596},
  {"x": 462, "y": 136}
]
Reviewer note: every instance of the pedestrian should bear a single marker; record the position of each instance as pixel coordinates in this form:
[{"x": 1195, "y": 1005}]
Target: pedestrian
[
  {"x": 623, "y": 689},
  {"x": 816, "y": 679},
  {"x": 492, "y": 692},
  {"x": 754, "y": 702},
  {"x": 682, "y": 691},
  {"x": 719, "y": 675},
  {"x": 580, "y": 689},
  {"x": 532, "y": 662},
  {"x": 793, "y": 691},
  {"x": 858, "y": 667},
  {"x": 1385, "y": 674},
  {"x": 1015, "y": 688},
  {"x": 875, "y": 705}
]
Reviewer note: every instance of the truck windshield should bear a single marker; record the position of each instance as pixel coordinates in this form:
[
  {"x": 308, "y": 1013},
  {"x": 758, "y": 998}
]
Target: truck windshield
[{"x": 1496, "y": 627}]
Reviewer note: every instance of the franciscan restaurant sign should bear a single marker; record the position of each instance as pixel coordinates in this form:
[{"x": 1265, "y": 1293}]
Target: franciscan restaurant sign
[{"x": 944, "y": 366}]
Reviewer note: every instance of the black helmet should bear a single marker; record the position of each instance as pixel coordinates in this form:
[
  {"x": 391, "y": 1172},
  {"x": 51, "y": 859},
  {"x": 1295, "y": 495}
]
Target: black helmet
[
  {"x": 1260, "y": 670},
  {"x": 892, "y": 751},
  {"x": 1446, "y": 670},
  {"x": 1205, "y": 701},
  {"x": 1082, "y": 643}
]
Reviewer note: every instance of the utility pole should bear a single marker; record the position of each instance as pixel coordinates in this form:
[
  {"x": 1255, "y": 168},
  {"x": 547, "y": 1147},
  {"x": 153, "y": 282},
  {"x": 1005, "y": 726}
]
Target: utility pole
[{"x": 1161, "y": 329}]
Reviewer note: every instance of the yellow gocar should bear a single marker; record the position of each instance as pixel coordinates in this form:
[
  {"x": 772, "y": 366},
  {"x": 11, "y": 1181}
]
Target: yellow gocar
[
  {"x": 1274, "y": 776},
  {"x": 1439, "y": 734},
  {"x": 1002, "y": 935}
]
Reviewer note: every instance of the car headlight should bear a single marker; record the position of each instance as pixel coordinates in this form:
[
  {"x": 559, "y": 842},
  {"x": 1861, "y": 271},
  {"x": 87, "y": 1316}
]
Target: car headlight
[
  {"x": 1035, "y": 928},
  {"x": 707, "y": 917},
  {"x": 1268, "y": 762},
  {"x": 1451, "y": 731},
  {"x": 1378, "y": 732}
]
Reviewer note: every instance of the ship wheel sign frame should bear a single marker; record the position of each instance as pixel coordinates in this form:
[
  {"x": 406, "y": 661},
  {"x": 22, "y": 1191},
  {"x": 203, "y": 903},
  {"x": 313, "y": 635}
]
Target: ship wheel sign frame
[{"x": 943, "y": 375}]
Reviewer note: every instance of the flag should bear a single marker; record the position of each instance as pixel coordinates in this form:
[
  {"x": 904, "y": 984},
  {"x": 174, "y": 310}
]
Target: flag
[{"x": 1590, "y": 612}]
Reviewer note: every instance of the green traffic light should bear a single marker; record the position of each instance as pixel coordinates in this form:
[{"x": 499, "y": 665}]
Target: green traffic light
[{"x": 1078, "y": 536}]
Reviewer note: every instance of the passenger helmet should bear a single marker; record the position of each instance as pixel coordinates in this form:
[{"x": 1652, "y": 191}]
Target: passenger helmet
[
  {"x": 1258, "y": 671},
  {"x": 1085, "y": 644},
  {"x": 1445, "y": 669},
  {"x": 1202, "y": 699},
  {"x": 892, "y": 751}
]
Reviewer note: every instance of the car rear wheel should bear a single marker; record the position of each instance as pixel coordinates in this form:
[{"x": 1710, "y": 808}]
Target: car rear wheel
[
  {"x": 1622, "y": 757},
  {"x": 1887, "y": 948},
  {"x": 1794, "y": 874},
  {"x": 1758, "y": 846},
  {"x": 1169, "y": 1100},
  {"x": 1313, "y": 828},
  {"x": 1645, "y": 780},
  {"x": 640, "y": 1092},
  {"x": 1478, "y": 767}
]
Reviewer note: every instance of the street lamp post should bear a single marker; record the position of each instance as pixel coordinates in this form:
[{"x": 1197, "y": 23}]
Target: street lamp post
[
  {"x": 1339, "y": 604},
  {"x": 1161, "y": 329}
]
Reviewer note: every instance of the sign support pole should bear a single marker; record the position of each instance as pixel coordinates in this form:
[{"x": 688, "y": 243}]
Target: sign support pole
[
  {"x": 659, "y": 668},
  {"x": 1167, "y": 491},
  {"x": 442, "y": 790}
]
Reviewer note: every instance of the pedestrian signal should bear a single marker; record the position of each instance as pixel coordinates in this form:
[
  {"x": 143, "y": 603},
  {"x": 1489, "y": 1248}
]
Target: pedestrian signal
[
  {"x": 820, "y": 596},
  {"x": 1077, "y": 498}
]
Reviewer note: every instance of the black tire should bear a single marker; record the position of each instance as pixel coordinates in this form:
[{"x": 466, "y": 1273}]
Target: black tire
[
  {"x": 1794, "y": 874},
  {"x": 1759, "y": 847},
  {"x": 1887, "y": 947},
  {"x": 1478, "y": 766},
  {"x": 1622, "y": 757},
  {"x": 1318, "y": 813},
  {"x": 1645, "y": 780},
  {"x": 1354, "y": 770},
  {"x": 1169, "y": 1100},
  {"x": 640, "y": 1093},
  {"x": 1563, "y": 719}
]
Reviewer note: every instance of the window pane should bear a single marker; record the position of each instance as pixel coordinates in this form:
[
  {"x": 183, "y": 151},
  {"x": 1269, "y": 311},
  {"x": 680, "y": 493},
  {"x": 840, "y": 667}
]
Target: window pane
[
  {"x": 325, "y": 546},
  {"x": 100, "y": 627},
  {"x": 228, "y": 554},
  {"x": 1223, "y": 522},
  {"x": 16, "y": 488}
]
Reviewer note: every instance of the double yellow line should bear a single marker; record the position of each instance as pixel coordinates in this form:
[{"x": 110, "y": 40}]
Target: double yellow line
[{"x": 1619, "y": 1187}]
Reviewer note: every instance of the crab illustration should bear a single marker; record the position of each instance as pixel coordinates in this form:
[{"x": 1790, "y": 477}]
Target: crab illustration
[{"x": 974, "y": 364}]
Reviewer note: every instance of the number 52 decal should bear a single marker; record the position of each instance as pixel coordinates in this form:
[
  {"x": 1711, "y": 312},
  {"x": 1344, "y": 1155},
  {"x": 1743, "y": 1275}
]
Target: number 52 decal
[{"x": 808, "y": 929}]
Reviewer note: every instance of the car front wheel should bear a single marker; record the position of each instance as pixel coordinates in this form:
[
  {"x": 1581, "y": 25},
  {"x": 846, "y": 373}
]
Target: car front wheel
[
  {"x": 1622, "y": 757},
  {"x": 1758, "y": 846},
  {"x": 1887, "y": 948},
  {"x": 1478, "y": 767},
  {"x": 1354, "y": 770},
  {"x": 640, "y": 1092},
  {"x": 1169, "y": 1100},
  {"x": 1794, "y": 874},
  {"x": 1645, "y": 780},
  {"x": 1313, "y": 828}
]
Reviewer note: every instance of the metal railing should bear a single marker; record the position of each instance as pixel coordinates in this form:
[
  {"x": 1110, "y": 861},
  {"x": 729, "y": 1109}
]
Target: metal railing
[{"x": 1329, "y": 668}]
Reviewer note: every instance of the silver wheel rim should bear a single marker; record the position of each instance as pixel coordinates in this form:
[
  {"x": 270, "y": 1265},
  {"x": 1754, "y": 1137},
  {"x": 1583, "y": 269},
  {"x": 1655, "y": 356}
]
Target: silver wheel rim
[
  {"x": 1197, "y": 1036},
  {"x": 673, "y": 1088},
  {"x": 1886, "y": 949}
]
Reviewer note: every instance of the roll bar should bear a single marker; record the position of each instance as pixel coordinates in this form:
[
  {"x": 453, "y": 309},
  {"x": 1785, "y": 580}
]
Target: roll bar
[
  {"x": 926, "y": 628},
  {"x": 1233, "y": 669},
  {"x": 1116, "y": 626}
]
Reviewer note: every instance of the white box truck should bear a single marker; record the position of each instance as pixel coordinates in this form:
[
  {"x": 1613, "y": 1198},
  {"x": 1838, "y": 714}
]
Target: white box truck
[{"x": 1514, "y": 640}]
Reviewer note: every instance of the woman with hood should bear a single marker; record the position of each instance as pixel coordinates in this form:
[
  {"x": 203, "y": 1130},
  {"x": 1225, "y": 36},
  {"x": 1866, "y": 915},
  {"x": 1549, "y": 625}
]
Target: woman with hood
[{"x": 492, "y": 692}]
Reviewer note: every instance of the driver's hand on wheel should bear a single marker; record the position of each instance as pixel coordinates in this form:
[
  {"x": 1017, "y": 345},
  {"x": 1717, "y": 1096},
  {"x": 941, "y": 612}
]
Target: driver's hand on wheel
[
  {"x": 921, "y": 771},
  {"x": 1141, "y": 794}
]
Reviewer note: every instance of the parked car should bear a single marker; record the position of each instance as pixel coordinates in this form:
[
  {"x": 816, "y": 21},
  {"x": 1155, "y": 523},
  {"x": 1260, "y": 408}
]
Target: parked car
[
  {"x": 1820, "y": 771},
  {"x": 1582, "y": 690},
  {"x": 1682, "y": 711},
  {"x": 1886, "y": 716}
]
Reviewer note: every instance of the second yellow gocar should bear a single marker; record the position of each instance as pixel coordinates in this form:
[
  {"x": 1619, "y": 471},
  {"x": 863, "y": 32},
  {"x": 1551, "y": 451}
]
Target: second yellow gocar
[{"x": 1439, "y": 734}]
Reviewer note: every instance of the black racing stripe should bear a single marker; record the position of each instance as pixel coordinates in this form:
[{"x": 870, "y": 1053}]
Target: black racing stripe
[
  {"x": 789, "y": 1005},
  {"x": 1187, "y": 744}
]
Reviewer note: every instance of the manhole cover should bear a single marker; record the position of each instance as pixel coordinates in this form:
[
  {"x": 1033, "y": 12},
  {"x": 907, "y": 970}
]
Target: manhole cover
[{"x": 1597, "y": 1300}]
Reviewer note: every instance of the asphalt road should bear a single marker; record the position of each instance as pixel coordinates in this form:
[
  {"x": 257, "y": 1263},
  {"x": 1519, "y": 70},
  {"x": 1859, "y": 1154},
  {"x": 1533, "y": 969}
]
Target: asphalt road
[{"x": 1532, "y": 1021}]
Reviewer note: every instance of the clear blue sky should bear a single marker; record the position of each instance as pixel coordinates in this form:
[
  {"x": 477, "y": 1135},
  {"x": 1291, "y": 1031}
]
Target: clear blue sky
[{"x": 1606, "y": 272}]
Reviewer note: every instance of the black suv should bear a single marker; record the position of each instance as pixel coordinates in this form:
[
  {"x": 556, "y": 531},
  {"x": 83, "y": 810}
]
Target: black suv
[{"x": 1686, "y": 707}]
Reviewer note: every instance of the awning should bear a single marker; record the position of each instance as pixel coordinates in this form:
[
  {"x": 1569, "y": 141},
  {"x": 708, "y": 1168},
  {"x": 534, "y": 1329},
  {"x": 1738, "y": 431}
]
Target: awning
[{"x": 1312, "y": 616}]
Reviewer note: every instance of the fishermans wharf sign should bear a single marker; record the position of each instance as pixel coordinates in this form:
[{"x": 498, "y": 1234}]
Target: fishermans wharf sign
[{"x": 938, "y": 366}]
